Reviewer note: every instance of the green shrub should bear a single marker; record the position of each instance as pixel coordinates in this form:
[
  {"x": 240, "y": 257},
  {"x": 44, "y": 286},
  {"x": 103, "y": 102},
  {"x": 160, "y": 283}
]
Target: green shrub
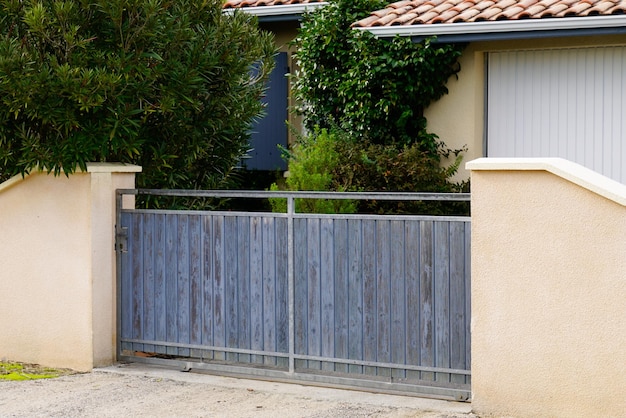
[
  {"x": 163, "y": 84},
  {"x": 330, "y": 160},
  {"x": 312, "y": 161},
  {"x": 399, "y": 168}
]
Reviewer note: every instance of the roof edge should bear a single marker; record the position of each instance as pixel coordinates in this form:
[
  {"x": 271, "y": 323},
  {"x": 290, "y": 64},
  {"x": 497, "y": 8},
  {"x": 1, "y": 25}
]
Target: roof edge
[
  {"x": 500, "y": 26},
  {"x": 282, "y": 10}
]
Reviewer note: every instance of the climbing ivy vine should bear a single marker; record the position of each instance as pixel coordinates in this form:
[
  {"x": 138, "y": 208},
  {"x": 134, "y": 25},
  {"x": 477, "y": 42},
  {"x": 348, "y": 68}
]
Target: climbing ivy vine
[{"x": 374, "y": 89}]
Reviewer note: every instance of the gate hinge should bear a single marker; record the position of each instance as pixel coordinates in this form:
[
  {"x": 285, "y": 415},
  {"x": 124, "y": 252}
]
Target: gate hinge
[{"x": 121, "y": 239}]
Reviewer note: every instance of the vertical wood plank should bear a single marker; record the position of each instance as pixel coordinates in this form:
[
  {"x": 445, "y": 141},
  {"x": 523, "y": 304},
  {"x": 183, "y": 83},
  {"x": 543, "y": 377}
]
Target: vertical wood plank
[
  {"x": 159, "y": 281},
  {"x": 147, "y": 220},
  {"x": 243, "y": 278},
  {"x": 195, "y": 282},
  {"x": 314, "y": 346},
  {"x": 327, "y": 285},
  {"x": 442, "y": 298},
  {"x": 413, "y": 318},
  {"x": 207, "y": 284},
  {"x": 282, "y": 295},
  {"x": 219, "y": 326},
  {"x": 231, "y": 311},
  {"x": 341, "y": 292},
  {"x": 269, "y": 289},
  {"x": 171, "y": 296},
  {"x": 397, "y": 297},
  {"x": 256, "y": 286},
  {"x": 355, "y": 294},
  {"x": 137, "y": 281},
  {"x": 300, "y": 289},
  {"x": 383, "y": 294},
  {"x": 370, "y": 336},
  {"x": 427, "y": 354},
  {"x": 457, "y": 299},
  {"x": 182, "y": 256}
]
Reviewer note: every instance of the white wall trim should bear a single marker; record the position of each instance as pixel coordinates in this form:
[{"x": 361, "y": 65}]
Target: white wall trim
[
  {"x": 112, "y": 168},
  {"x": 575, "y": 173}
]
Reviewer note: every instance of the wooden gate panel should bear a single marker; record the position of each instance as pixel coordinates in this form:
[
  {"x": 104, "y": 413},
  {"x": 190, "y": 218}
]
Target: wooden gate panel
[{"x": 374, "y": 297}]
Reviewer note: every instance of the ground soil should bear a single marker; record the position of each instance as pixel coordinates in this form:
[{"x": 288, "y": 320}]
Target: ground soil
[{"x": 141, "y": 391}]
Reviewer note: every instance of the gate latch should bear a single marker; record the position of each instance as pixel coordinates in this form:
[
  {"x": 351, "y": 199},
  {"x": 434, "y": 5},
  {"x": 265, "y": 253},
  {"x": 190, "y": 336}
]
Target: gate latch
[{"x": 121, "y": 239}]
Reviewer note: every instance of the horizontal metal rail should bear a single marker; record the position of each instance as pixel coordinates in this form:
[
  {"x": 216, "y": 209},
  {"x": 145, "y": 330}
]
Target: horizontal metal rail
[
  {"x": 450, "y": 197},
  {"x": 397, "y": 366},
  {"x": 442, "y": 218}
]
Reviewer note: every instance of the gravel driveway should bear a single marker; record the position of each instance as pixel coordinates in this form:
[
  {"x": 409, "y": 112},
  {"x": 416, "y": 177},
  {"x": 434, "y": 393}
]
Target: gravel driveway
[{"x": 140, "y": 391}]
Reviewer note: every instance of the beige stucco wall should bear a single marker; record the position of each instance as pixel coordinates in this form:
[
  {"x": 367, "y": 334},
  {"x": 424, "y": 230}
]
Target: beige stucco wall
[
  {"x": 458, "y": 118},
  {"x": 58, "y": 266},
  {"x": 548, "y": 290}
]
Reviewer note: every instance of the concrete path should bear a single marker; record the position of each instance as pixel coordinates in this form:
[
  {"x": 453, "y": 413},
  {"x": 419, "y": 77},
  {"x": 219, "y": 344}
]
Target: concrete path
[{"x": 137, "y": 390}]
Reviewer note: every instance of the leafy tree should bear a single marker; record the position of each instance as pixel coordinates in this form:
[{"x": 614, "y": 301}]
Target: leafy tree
[
  {"x": 160, "y": 83},
  {"x": 374, "y": 89}
]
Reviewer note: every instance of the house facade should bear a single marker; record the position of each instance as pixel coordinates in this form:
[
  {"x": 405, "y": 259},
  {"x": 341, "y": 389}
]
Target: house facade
[
  {"x": 282, "y": 18},
  {"x": 538, "y": 78}
]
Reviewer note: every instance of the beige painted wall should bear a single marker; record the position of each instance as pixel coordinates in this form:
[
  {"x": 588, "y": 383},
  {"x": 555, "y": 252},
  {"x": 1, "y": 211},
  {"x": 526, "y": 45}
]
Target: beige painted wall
[
  {"x": 57, "y": 273},
  {"x": 458, "y": 118},
  {"x": 548, "y": 290}
]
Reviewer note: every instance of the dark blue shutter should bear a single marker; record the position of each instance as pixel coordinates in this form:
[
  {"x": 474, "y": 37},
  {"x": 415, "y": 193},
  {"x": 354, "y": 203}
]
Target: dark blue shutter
[{"x": 271, "y": 131}]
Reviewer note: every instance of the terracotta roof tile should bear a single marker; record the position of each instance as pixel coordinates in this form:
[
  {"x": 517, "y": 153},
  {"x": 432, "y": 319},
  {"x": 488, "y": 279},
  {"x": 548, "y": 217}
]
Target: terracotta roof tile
[
  {"x": 512, "y": 12},
  {"x": 427, "y": 17},
  {"x": 370, "y": 21},
  {"x": 386, "y": 19},
  {"x": 490, "y": 13},
  {"x": 462, "y": 6},
  {"x": 535, "y": 10},
  {"x": 415, "y": 12},
  {"x": 235, "y": 4},
  {"x": 406, "y": 18},
  {"x": 466, "y": 15},
  {"x": 602, "y": 7},
  {"x": 446, "y": 16}
]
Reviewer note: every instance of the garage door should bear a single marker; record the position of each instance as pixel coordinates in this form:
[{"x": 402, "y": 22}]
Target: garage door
[{"x": 568, "y": 103}]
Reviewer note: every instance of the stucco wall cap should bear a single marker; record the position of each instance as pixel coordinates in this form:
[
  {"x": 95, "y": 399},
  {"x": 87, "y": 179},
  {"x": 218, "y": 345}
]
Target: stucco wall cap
[
  {"x": 112, "y": 168},
  {"x": 91, "y": 168},
  {"x": 11, "y": 182},
  {"x": 575, "y": 173}
]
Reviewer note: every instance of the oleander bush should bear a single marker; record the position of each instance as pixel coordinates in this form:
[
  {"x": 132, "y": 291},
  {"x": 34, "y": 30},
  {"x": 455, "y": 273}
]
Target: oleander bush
[{"x": 168, "y": 85}]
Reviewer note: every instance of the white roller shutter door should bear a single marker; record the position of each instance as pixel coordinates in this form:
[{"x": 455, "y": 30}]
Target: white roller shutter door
[{"x": 568, "y": 103}]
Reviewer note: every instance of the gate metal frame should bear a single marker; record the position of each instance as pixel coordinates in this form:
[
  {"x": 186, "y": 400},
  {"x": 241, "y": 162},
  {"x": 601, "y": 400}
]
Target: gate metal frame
[{"x": 460, "y": 393}]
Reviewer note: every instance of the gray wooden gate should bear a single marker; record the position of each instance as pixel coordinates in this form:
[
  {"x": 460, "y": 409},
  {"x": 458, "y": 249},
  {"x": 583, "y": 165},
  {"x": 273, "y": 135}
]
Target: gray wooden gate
[{"x": 365, "y": 301}]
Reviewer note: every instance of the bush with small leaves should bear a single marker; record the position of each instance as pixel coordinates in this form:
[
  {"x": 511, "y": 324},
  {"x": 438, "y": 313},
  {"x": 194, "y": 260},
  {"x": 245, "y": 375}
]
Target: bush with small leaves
[
  {"x": 312, "y": 163},
  {"x": 164, "y": 84}
]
